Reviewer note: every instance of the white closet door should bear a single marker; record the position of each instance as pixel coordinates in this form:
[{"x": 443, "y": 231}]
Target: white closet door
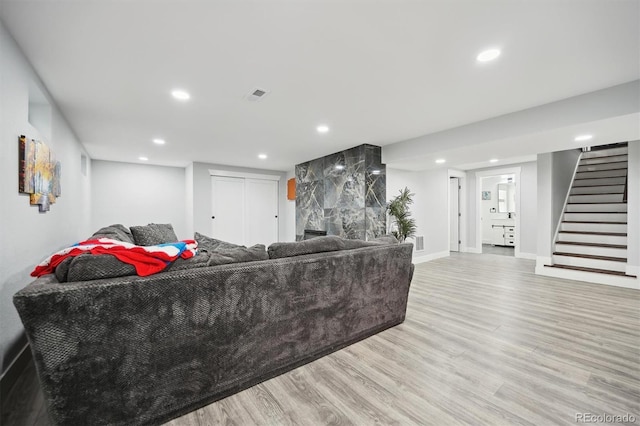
[
  {"x": 228, "y": 209},
  {"x": 261, "y": 198}
]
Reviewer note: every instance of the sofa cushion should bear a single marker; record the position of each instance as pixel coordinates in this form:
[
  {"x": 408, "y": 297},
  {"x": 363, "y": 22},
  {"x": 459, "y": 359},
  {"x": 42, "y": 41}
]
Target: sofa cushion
[
  {"x": 153, "y": 234},
  {"x": 115, "y": 232},
  {"x": 385, "y": 239},
  {"x": 298, "y": 248},
  {"x": 198, "y": 261},
  {"x": 238, "y": 255},
  {"x": 87, "y": 267},
  {"x": 209, "y": 244}
]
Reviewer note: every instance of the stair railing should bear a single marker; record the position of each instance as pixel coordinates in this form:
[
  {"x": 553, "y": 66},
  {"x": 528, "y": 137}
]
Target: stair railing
[{"x": 566, "y": 201}]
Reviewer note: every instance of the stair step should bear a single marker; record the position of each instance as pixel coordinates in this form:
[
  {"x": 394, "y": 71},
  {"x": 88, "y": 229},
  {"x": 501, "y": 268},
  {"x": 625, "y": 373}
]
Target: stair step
[
  {"x": 595, "y": 217},
  {"x": 621, "y": 160},
  {"x": 593, "y": 237},
  {"x": 598, "y": 189},
  {"x": 591, "y": 249},
  {"x": 601, "y": 174},
  {"x": 599, "y": 181},
  {"x": 594, "y": 270},
  {"x": 596, "y": 207},
  {"x": 590, "y": 261},
  {"x": 596, "y": 198},
  {"x": 606, "y": 152},
  {"x": 582, "y": 227}
]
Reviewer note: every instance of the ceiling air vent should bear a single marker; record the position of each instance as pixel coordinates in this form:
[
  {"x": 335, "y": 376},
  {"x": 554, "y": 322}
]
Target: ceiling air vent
[{"x": 257, "y": 95}]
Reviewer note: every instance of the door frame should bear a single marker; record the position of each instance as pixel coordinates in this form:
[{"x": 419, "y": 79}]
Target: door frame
[{"x": 462, "y": 207}]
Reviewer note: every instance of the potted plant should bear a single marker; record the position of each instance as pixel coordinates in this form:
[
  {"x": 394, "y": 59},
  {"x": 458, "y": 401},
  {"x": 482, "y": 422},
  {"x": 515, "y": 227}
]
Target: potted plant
[{"x": 401, "y": 224}]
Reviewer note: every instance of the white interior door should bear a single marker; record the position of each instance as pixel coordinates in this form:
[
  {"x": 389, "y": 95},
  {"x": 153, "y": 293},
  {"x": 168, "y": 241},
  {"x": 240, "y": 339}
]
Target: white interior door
[
  {"x": 454, "y": 214},
  {"x": 228, "y": 207},
  {"x": 261, "y": 211}
]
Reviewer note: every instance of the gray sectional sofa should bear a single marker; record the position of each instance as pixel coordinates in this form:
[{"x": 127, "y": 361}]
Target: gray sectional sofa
[{"x": 133, "y": 350}]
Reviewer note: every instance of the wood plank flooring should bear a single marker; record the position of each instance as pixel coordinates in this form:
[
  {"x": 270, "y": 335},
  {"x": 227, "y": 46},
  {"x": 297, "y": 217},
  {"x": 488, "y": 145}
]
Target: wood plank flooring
[{"x": 485, "y": 342}]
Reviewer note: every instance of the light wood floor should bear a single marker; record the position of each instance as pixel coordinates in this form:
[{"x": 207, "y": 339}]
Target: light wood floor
[{"x": 485, "y": 342}]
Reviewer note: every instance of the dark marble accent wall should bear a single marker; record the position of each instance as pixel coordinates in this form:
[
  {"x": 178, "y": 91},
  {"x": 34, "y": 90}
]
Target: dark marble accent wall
[{"x": 343, "y": 194}]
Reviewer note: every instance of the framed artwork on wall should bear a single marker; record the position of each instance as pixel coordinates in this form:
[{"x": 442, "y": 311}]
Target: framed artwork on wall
[
  {"x": 486, "y": 195},
  {"x": 38, "y": 173}
]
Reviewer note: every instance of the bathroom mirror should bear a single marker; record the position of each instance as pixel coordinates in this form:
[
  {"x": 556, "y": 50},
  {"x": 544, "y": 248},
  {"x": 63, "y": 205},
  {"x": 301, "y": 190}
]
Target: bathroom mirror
[{"x": 506, "y": 198}]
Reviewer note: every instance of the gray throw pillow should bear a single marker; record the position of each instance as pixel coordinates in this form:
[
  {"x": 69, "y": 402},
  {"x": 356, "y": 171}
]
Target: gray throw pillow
[
  {"x": 211, "y": 244},
  {"x": 115, "y": 232},
  {"x": 153, "y": 234},
  {"x": 238, "y": 255},
  {"x": 298, "y": 248}
]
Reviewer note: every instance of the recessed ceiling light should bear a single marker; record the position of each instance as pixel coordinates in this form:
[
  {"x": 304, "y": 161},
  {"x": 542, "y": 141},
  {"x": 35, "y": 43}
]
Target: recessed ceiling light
[
  {"x": 583, "y": 138},
  {"x": 262, "y": 156},
  {"x": 375, "y": 172},
  {"x": 493, "y": 160},
  {"x": 159, "y": 141},
  {"x": 180, "y": 95},
  {"x": 440, "y": 160},
  {"x": 488, "y": 55},
  {"x": 322, "y": 128},
  {"x": 143, "y": 158}
]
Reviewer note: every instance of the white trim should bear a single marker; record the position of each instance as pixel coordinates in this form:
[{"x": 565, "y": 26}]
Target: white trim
[
  {"x": 478, "y": 201},
  {"x": 472, "y": 250},
  {"x": 462, "y": 206},
  {"x": 429, "y": 257},
  {"x": 633, "y": 270},
  {"x": 589, "y": 277},
  {"x": 246, "y": 175},
  {"x": 530, "y": 256}
]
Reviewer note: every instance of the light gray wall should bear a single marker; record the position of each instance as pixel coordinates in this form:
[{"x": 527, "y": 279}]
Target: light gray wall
[
  {"x": 527, "y": 211},
  {"x": 138, "y": 194},
  {"x": 202, "y": 196},
  {"x": 633, "y": 201},
  {"x": 554, "y": 174},
  {"x": 26, "y": 236}
]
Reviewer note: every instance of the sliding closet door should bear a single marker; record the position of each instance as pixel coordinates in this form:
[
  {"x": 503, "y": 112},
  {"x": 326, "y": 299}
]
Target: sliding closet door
[
  {"x": 228, "y": 209},
  {"x": 261, "y": 211},
  {"x": 244, "y": 210}
]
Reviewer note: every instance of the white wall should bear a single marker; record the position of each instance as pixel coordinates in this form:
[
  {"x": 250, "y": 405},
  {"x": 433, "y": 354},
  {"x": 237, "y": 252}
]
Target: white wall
[
  {"x": 527, "y": 208},
  {"x": 202, "y": 202},
  {"x": 430, "y": 207},
  {"x": 26, "y": 235},
  {"x": 138, "y": 194}
]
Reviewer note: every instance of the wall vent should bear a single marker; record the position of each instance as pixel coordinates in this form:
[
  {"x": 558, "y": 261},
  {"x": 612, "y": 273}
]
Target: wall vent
[
  {"x": 419, "y": 242},
  {"x": 257, "y": 95}
]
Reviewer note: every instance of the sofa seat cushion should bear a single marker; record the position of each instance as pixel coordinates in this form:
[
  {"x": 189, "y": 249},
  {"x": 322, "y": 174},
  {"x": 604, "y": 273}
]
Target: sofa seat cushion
[
  {"x": 299, "y": 248},
  {"x": 87, "y": 267},
  {"x": 153, "y": 234},
  {"x": 209, "y": 244}
]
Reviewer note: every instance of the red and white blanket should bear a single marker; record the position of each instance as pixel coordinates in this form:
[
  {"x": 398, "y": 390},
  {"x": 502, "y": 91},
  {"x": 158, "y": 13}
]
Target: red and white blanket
[{"x": 147, "y": 260}]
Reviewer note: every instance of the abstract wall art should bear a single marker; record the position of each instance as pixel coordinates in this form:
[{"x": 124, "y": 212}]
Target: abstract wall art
[{"x": 38, "y": 173}]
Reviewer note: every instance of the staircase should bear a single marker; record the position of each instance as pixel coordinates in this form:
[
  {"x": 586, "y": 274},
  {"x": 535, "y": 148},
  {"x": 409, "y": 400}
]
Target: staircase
[{"x": 592, "y": 235}]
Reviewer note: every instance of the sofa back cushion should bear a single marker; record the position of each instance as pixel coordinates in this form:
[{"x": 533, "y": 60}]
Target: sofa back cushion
[
  {"x": 87, "y": 267},
  {"x": 298, "y": 248},
  {"x": 115, "y": 232},
  {"x": 238, "y": 255},
  {"x": 209, "y": 244},
  {"x": 153, "y": 234}
]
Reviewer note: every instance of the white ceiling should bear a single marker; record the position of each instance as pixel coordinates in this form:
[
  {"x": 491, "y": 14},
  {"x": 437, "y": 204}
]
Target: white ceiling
[{"x": 375, "y": 72}]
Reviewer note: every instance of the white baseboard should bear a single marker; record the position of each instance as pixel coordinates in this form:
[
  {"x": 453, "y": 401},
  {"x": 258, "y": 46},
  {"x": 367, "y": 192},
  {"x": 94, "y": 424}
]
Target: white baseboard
[
  {"x": 530, "y": 256},
  {"x": 633, "y": 270},
  {"x": 473, "y": 250},
  {"x": 589, "y": 277},
  {"x": 428, "y": 257},
  {"x": 541, "y": 261}
]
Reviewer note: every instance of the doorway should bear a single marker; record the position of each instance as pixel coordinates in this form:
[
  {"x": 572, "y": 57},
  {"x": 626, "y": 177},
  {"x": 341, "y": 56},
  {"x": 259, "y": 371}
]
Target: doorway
[{"x": 497, "y": 208}]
